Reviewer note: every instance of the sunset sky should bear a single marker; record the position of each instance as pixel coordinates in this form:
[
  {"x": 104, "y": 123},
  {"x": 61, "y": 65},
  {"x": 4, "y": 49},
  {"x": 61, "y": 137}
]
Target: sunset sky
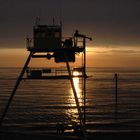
[{"x": 114, "y": 26}]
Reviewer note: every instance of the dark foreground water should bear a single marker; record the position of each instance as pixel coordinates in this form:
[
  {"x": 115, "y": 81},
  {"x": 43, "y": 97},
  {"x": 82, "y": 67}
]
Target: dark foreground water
[{"x": 40, "y": 104}]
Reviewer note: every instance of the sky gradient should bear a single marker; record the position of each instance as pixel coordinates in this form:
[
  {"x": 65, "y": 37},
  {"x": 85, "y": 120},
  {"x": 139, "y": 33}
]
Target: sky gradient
[{"x": 114, "y": 26}]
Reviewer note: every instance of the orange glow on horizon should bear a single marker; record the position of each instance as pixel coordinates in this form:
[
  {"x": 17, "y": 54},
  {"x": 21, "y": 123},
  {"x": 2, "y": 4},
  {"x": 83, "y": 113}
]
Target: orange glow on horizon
[{"x": 96, "y": 57}]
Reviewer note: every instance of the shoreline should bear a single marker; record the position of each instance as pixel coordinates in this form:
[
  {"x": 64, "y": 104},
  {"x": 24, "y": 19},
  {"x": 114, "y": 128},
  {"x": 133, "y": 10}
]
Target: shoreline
[{"x": 96, "y": 135}]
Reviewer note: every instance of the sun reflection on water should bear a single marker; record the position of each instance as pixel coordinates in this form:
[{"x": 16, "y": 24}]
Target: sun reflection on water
[{"x": 72, "y": 112}]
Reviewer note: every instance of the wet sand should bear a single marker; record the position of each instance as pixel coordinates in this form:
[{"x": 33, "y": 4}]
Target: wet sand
[{"x": 95, "y": 136}]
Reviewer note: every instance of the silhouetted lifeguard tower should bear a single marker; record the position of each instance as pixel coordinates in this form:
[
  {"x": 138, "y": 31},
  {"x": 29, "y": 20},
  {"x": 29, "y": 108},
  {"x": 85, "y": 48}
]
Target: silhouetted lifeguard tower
[{"x": 47, "y": 43}]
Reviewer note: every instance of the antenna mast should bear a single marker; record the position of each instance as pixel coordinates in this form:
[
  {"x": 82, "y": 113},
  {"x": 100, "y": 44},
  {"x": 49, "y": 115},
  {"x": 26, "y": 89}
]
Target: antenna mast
[{"x": 60, "y": 16}]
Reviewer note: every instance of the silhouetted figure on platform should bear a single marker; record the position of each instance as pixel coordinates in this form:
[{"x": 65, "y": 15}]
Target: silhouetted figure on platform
[{"x": 60, "y": 128}]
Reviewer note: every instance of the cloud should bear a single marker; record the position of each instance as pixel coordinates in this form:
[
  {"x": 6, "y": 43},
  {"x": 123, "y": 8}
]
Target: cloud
[
  {"x": 118, "y": 51},
  {"x": 125, "y": 51},
  {"x": 111, "y": 22}
]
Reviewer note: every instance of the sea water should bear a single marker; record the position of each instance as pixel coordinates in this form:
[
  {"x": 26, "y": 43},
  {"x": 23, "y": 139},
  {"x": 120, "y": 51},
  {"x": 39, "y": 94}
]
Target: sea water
[{"x": 39, "y": 105}]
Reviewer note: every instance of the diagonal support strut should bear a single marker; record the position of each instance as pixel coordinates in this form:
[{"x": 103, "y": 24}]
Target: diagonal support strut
[
  {"x": 75, "y": 96},
  {"x": 15, "y": 89}
]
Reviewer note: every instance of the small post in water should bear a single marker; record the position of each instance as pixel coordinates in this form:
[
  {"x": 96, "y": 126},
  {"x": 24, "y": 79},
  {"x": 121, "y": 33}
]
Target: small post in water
[{"x": 116, "y": 92}]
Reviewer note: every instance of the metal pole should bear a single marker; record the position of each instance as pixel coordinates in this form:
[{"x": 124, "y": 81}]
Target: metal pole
[
  {"x": 83, "y": 84},
  {"x": 116, "y": 92},
  {"x": 15, "y": 88},
  {"x": 84, "y": 45},
  {"x": 116, "y": 87}
]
